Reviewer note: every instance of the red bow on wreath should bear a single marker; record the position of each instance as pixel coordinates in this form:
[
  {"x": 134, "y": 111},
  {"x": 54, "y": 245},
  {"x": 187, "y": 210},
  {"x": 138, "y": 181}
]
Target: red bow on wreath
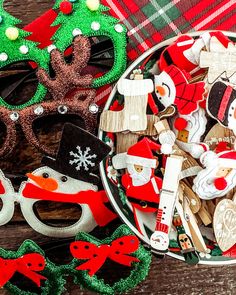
[
  {"x": 97, "y": 255},
  {"x": 27, "y": 265}
]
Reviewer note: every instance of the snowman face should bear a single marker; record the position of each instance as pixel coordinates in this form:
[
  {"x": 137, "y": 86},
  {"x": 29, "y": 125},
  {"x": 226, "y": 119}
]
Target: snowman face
[
  {"x": 159, "y": 241},
  {"x": 165, "y": 89},
  {"x": 51, "y": 180}
]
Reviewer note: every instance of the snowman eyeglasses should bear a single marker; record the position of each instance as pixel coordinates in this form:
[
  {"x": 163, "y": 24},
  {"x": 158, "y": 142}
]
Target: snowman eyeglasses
[
  {"x": 9, "y": 197},
  {"x": 85, "y": 109}
]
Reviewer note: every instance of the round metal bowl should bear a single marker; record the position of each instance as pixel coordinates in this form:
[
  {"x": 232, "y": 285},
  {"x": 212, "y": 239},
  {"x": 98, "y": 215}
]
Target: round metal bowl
[{"x": 124, "y": 211}]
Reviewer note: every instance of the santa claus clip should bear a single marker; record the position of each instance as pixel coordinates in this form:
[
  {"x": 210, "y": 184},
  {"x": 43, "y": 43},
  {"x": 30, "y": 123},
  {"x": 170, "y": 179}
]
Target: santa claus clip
[{"x": 141, "y": 185}]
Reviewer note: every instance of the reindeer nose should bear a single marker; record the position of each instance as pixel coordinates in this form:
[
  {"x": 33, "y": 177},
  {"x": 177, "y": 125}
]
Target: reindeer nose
[
  {"x": 161, "y": 90},
  {"x": 49, "y": 184}
]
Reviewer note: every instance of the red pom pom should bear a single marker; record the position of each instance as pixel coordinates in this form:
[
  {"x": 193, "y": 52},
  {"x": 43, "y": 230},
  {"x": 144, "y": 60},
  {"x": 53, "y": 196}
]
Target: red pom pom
[
  {"x": 180, "y": 123},
  {"x": 220, "y": 183},
  {"x": 66, "y": 7}
]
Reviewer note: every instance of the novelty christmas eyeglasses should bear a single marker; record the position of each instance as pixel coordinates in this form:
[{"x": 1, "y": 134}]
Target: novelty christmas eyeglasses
[{"x": 80, "y": 19}]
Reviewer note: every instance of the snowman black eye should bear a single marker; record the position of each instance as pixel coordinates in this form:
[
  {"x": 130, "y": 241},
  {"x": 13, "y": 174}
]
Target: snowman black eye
[
  {"x": 64, "y": 179},
  {"x": 45, "y": 175}
]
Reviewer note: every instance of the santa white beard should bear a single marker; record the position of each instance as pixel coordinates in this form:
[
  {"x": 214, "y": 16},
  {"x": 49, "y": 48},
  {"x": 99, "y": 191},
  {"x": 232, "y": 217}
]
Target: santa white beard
[
  {"x": 204, "y": 183},
  {"x": 139, "y": 178}
]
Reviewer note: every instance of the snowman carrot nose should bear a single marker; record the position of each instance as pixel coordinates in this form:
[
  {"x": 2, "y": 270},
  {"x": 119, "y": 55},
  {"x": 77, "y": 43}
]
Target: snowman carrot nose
[
  {"x": 48, "y": 184},
  {"x": 161, "y": 90}
]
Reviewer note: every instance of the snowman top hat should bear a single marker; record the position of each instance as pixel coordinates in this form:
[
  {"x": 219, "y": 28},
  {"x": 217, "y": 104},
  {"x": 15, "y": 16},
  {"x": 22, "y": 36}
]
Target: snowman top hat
[{"x": 79, "y": 154}]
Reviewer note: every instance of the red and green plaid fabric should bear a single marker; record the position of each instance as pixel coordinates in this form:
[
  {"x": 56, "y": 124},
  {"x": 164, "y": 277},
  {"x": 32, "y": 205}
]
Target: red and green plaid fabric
[{"x": 151, "y": 21}]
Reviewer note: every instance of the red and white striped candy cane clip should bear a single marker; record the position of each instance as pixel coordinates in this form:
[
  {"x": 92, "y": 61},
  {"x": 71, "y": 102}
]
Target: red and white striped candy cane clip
[{"x": 160, "y": 238}]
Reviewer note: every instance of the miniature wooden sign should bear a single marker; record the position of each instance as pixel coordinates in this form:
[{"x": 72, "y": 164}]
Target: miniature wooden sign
[
  {"x": 218, "y": 135},
  {"x": 133, "y": 117},
  {"x": 219, "y": 60},
  {"x": 225, "y": 223}
]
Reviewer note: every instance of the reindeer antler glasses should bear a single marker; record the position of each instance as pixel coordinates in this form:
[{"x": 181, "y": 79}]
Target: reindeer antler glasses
[{"x": 81, "y": 103}]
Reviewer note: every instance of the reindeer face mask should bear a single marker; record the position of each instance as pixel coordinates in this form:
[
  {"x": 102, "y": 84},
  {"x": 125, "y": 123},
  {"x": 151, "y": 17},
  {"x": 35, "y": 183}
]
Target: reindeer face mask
[{"x": 67, "y": 179}]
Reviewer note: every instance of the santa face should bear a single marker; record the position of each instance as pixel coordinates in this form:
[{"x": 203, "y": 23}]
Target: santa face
[
  {"x": 159, "y": 241},
  {"x": 204, "y": 182},
  {"x": 51, "y": 180},
  {"x": 140, "y": 175},
  {"x": 232, "y": 116},
  {"x": 165, "y": 89}
]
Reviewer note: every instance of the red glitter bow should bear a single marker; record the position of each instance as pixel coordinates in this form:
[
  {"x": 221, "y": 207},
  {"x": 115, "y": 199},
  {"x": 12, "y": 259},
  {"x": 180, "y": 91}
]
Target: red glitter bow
[
  {"x": 27, "y": 265},
  {"x": 97, "y": 255}
]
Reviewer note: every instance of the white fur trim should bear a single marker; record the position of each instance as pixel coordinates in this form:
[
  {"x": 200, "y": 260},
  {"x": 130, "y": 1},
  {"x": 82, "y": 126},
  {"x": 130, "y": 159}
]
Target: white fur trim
[
  {"x": 119, "y": 161},
  {"x": 141, "y": 161},
  {"x": 154, "y": 185},
  {"x": 184, "y": 43},
  {"x": 227, "y": 163}
]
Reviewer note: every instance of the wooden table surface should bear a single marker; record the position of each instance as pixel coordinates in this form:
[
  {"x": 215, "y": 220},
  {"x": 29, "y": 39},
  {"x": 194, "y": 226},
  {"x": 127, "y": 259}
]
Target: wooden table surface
[{"x": 167, "y": 276}]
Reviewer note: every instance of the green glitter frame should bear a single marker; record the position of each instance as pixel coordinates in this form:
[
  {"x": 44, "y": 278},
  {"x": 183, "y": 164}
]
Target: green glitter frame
[
  {"x": 12, "y": 49},
  {"x": 55, "y": 283},
  {"x": 81, "y": 18},
  {"x": 56, "y": 274},
  {"x": 138, "y": 273}
]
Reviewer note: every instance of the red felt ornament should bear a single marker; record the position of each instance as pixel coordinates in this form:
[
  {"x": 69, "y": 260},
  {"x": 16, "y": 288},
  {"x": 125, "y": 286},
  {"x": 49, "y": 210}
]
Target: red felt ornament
[
  {"x": 220, "y": 183},
  {"x": 28, "y": 265},
  {"x": 180, "y": 124},
  {"x": 66, "y": 7},
  {"x": 117, "y": 251}
]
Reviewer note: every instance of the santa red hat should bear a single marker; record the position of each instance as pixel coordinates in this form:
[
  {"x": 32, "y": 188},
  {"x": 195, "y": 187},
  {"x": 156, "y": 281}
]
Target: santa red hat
[
  {"x": 224, "y": 159},
  {"x": 138, "y": 154},
  {"x": 141, "y": 153},
  {"x": 174, "y": 54}
]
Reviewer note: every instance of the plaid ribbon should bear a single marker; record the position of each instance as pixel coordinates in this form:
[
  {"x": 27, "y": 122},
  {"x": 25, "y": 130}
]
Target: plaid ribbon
[{"x": 152, "y": 21}]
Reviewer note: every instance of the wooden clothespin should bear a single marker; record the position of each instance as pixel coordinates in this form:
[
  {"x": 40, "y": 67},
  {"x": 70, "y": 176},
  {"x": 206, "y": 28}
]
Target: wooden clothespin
[
  {"x": 193, "y": 200},
  {"x": 125, "y": 140},
  {"x": 224, "y": 223},
  {"x": 190, "y": 223},
  {"x": 190, "y": 165},
  {"x": 160, "y": 238},
  {"x": 204, "y": 214}
]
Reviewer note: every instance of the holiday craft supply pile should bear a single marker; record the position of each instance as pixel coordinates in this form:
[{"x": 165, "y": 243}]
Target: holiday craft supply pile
[
  {"x": 171, "y": 123},
  {"x": 166, "y": 146}
]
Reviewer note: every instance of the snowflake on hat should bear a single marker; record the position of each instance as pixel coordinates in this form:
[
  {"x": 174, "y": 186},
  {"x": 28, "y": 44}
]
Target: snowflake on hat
[
  {"x": 188, "y": 130},
  {"x": 185, "y": 51},
  {"x": 142, "y": 186},
  {"x": 221, "y": 105},
  {"x": 172, "y": 87},
  {"x": 219, "y": 175}
]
